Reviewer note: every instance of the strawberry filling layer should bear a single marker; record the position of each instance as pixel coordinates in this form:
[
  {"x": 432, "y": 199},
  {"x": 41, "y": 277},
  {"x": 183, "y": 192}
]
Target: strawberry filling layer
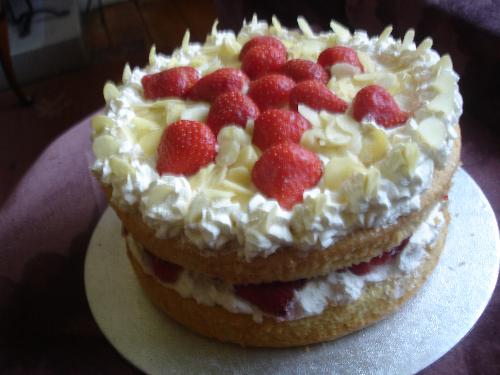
[{"x": 273, "y": 298}]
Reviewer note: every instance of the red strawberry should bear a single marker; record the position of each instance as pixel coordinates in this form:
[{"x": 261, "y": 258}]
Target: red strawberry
[
  {"x": 316, "y": 95},
  {"x": 272, "y": 298},
  {"x": 365, "y": 267},
  {"x": 361, "y": 268},
  {"x": 171, "y": 82},
  {"x": 271, "y": 91},
  {"x": 339, "y": 54},
  {"x": 185, "y": 147},
  {"x": 375, "y": 102},
  {"x": 262, "y": 60},
  {"x": 165, "y": 271},
  {"x": 233, "y": 108},
  {"x": 278, "y": 125},
  {"x": 268, "y": 41},
  {"x": 303, "y": 70},
  {"x": 284, "y": 171},
  {"x": 218, "y": 82}
]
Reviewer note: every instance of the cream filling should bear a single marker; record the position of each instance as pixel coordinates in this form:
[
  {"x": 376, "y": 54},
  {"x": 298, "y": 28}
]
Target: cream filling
[
  {"x": 220, "y": 204},
  {"x": 336, "y": 288}
]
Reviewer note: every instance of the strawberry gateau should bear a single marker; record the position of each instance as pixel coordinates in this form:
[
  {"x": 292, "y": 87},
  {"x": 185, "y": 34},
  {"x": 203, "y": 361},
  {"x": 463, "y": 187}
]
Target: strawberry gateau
[{"x": 282, "y": 187}]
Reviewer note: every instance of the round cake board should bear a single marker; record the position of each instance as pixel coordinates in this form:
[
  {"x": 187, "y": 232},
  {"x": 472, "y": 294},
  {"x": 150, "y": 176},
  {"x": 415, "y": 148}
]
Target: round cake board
[{"x": 423, "y": 330}]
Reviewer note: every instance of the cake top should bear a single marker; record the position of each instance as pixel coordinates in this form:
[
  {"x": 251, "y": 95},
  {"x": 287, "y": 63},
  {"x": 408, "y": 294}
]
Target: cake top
[{"x": 275, "y": 137}]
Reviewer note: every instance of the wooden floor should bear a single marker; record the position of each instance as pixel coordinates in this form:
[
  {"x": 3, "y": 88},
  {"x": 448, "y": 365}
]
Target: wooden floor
[{"x": 131, "y": 27}]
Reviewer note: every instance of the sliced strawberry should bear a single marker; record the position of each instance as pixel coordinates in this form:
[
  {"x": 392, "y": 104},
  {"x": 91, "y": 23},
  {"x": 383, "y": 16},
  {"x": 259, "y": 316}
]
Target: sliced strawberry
[
  {"x": 173, "y": 82},
  {"x": 316, "y": 95},
  {"x": 185, "y": 147},
  {"x": 339, "y": 55},
  {"x": 278, "y": 125},
  {"x": 262, "y": 60},
  {"x": 218, "y": 82},
  {"x": 268, "y": 41},
  {"x": 271, "y": 91},
  {"x": 232, "y": 108},
  {"x": 365, "y": 267},
  {"x": 304, "y": 70},
  {"x": 272, "y": 298},
  {"x": 361, "y": 268},
  {"x": 284, "y": 171},
  {"x": 375, "y": 102},
  {"x": 165, "y": 271}
]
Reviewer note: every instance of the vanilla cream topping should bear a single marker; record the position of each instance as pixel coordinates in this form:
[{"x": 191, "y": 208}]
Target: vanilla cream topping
[
  {"x": 336, "y": 288},
  {"x": 372, "y": 175}
]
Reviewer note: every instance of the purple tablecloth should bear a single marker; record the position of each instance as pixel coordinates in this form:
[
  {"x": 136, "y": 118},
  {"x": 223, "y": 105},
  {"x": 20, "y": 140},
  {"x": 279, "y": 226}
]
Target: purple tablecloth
[{"x": 45, "y": 322}]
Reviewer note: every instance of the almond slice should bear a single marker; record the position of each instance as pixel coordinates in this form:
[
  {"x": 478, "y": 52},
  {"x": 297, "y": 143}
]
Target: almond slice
[
  {"x": 150, "y": 141},
  {"x": 342, "y": 32},
  {"x": 375, "y": 146},
  {"x": 372, "y": 182},
  {"x": 236, "y": 188},
  {"x": 277, "y": 25},
  {"x": 105, "y": 146},
  {"x": 127, "y": 73},
  {"x": 239, "y": 175},
  {"x": 445, "y": 82},
  {"x": 442, "y": 103},
  {"x": 310, "y": 115},
  {"x": 304, "y": 27},
  {"x": 101, "y": 122},
  {"x": 152, "y": 55},
  {"x": 143, "y": 125},
  {"x": 424, "y": 46},
  {"x": 218, "y": 194},
  {"x": 411, "y": 154},
  {"x": 120, "y": 167},
  {"x": 408, "y": 39},
  {"x": 336, "y": 137},
  {"x": 196, "y": 112},
  {"x": 384, "y": 35},
  {"x": 432, "y": 131},
  {"x": 340, "y": 169},
  {"x": 366, "y": 61},
  {"x": 110, "y": 91},
  {"x": 185, "y": 41}
]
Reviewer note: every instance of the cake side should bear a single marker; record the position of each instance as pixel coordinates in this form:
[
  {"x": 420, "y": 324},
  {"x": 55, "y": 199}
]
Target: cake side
[{"x": 376, "y": 302}]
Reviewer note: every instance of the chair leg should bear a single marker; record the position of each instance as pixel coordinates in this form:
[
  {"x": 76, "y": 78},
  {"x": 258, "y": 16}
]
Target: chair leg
[{"x": 6, "y": 61}]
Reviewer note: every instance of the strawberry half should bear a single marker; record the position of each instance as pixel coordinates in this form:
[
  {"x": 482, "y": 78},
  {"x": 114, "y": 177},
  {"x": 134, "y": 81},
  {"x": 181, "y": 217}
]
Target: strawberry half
[
  {"x": 173, "y": 82},
  {"x": 271, "y": 91},
  {"x": 284, "y": 171},
  {"x": 375, "y": 102},
  {"x": 165, "y": 271},
  {"x": 268, "y": 41},
  {"x": 261, "y": 60},
  {"x": 231, "y": 108},
  {"x": 278, "y": 125},
  {"x": 272, "y": 298},
  {"x": 339, "y": 55},
  {"x": 365, "y": 267},
  {"x": 218, "y": 82},
  {"x": 185, "y": 147},
  {"x": 304, "y": 70},
  {"x": 316, "y": 95}
]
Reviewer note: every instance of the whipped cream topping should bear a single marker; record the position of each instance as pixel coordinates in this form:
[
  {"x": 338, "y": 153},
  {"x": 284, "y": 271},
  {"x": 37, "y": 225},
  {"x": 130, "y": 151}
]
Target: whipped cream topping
[
  {"x": 336, "y": 288},
  {"x": 372, "y": 175}
]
